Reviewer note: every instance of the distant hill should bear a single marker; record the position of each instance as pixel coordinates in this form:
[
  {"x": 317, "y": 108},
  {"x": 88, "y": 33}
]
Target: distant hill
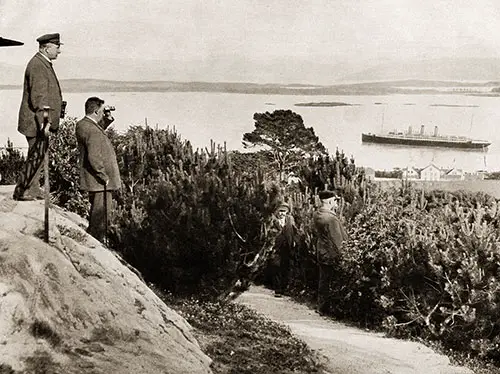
[
  {"x": 110, "y": 74},
  {"x": 367, "y": 88},
  {"x": 445, "y": 69}
]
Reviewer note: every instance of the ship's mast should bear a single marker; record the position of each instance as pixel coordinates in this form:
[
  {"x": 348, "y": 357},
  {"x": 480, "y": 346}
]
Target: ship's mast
[{"x": 382, "y": 124}]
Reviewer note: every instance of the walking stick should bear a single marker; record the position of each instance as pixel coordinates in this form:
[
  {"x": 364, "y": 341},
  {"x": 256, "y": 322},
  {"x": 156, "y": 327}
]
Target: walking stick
[
  {"x": 46, "y": 110},
  {"x": 105, "y": 216}
]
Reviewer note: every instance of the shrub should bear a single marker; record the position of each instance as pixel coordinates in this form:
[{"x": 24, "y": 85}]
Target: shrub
[
  {"x": 421, "y": 264},
  {"x": 177, "y": 219},
  {"x": 11, "y": 161},
  {"x": 64, "y": 172},
  {"x": 417, "y": 263}
]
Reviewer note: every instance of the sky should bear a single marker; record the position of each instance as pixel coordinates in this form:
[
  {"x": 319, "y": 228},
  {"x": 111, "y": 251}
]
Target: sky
[{"x": 236, "y": 40}]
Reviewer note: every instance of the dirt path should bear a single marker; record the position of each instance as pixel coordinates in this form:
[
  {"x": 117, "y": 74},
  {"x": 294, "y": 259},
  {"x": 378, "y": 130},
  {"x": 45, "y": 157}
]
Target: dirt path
[{"x": 348, "y": 350}]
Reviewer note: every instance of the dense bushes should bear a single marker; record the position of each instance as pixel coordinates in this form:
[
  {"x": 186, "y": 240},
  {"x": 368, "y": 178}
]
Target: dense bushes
[
  {"x": 417, "y": 264},
  {"x": 178, "y": 218},
  {"x": 64, "y": 173},
  {"x": 63, "y": 168},
  {"x": 239, "y": 340},
  {"x": 421, "y": 264},
  {"x": 11, "y": 161},
  {"x": 185, "y": 219}
]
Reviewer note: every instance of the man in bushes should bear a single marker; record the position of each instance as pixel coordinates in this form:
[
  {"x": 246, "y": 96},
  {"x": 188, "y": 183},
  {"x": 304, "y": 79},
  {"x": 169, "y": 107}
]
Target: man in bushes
[
  {"x": 284, "y": 225},
  {"x": 99, "y": 173},
  {"x": 330, "y": 235}
]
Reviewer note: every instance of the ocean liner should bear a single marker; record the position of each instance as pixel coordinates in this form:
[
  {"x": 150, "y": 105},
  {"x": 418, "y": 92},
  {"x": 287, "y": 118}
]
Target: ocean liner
[{"x": 424, "y": 140}]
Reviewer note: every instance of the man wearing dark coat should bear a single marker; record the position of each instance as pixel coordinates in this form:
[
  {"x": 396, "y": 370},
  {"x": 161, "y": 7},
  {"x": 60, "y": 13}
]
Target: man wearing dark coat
[
  {"x": 99, "y": 173},
  {"x": 284, "y": 225},
  {"x": 41, "y": 89},
  {"x": 330, "y": 235}
]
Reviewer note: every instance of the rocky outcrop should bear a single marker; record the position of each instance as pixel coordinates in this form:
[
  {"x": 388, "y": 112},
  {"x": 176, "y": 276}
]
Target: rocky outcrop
[{"x": 71, "y": 306}]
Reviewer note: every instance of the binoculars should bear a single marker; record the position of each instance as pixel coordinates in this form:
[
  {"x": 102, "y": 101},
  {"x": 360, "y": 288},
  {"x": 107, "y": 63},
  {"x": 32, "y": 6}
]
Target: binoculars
[
  {"x": 63, "y": 109},
  {"x": 109, "y": 108}
]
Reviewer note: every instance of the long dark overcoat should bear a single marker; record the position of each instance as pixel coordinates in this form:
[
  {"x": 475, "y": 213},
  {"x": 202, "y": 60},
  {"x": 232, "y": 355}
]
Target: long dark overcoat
[
  {"x": 330, "y": 234},
  {"x": 41, "y": 88},
  {"x": 97, "y": 158}
]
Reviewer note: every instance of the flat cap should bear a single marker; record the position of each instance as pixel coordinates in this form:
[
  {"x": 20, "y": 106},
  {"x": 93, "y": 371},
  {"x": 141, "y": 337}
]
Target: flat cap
[
  {"x": 283, "y": 207},
  {"x": 323, "y": 195},
  {"x": 54, "y": 38}
]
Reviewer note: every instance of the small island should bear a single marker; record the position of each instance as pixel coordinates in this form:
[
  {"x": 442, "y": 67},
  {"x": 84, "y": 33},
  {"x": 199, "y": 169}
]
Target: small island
[
  {"x": 456, "y": 105},
  {"x": 325, "y": 104}
]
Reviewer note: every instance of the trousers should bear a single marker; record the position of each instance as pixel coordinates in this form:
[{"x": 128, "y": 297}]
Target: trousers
[
  {"x": 28, "y": 180},
  {"x": 99, "y": 214},
  {"x": 326, "y": 274}
]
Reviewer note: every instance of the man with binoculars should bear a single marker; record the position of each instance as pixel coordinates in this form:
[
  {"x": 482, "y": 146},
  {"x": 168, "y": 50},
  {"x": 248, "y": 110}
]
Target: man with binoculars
[{"x": 99, "y": 173}]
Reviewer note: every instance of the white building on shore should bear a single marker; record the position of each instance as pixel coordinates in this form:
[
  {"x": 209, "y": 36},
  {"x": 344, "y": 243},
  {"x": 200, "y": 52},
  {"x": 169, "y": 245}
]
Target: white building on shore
[{"x": 432, "y": 172}]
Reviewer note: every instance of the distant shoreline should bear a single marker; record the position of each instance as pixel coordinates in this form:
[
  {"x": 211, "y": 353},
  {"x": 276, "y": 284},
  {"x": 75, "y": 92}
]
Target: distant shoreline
[
  {"x": 455, "y": 105},
  {"x": 324, "y": 104},
  {"x": 491, "y": 187},
  {"x": 409, "y": 87}
]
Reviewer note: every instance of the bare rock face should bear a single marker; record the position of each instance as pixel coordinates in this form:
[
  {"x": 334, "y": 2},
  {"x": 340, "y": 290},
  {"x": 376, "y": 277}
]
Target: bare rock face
[{"x": 71, "y": 306}]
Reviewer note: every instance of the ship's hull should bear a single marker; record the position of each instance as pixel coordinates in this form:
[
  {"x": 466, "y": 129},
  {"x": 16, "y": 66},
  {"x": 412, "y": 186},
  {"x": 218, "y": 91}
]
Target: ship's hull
[{"x": 424, "y": 142}]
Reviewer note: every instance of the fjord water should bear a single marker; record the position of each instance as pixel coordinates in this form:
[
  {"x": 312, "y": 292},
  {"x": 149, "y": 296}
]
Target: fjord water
[{"x": 200, "y": 117}]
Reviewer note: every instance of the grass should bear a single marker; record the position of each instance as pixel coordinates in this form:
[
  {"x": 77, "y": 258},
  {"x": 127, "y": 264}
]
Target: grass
[
  {"x": 6, "y": 369},
  {"x": 239, "y": 340},
  {"x": 41, "y": 363},
  {"x": 76, "y": 235},
  {"x": 42, "y": 330}
]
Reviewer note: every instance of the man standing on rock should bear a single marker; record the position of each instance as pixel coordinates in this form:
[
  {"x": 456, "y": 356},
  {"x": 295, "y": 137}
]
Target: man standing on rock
[
  {"x": 330, "y": 235},
  {"x": 99, "y": 173},
  {"x": 41, "y": 89}
]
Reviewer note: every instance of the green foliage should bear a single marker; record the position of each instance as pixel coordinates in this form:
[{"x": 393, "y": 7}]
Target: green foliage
[
  {"x": 244, "y": 164},
  {"x": 189, "y": 221},
  {"x": 324, "y": 172},
  {"x": 6, "y": 369},
  {"x": 493, "y": 176},
  {"x": 42, "y": 330},
  {"x": 241, "y": 341},
  {"x": 284, "y": 135},
  {"x": 396, "y": 174},
  {"x": 417, "y": 263},
  {"x": 11, "y": 161},
  {"x": 64, "y": 173},
  {"x": 177, "y": 219},
  {"x": 420, "y": 264},
  {"x": 77, "y": 235},
  {"x": 41, "y": 361}
]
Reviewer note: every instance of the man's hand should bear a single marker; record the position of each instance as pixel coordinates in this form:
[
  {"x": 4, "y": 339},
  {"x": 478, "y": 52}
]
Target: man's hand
[
  {"x": 104, "y": 181},
  {"x": 46, "y": 130},
  {"x": 46, "y": 120},
  {"x": 107, "y": 119}
]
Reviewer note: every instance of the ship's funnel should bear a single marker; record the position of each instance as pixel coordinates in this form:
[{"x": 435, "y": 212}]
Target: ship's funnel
[
  {"x": 409, "y": 130},
  {"x": 435, "y": 131},
  {"x": 422, "y": 130}
]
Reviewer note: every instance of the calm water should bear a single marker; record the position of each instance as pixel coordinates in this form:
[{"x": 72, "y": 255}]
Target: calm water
[{"x": 221, "y": 117}]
